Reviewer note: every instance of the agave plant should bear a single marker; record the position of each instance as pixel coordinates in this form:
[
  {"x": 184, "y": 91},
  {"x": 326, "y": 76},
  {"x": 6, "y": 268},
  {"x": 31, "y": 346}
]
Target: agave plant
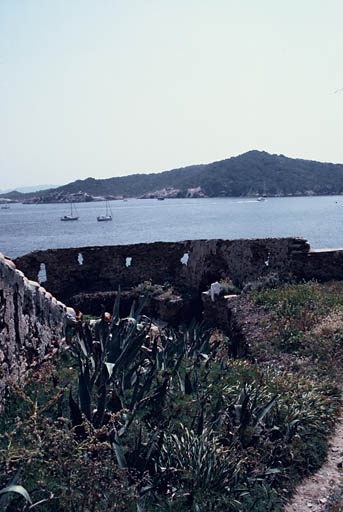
[
  {"x": 125, "y": 368},
  {"x": 111, "y": 361},
  {"x": 246, "y": 413}
]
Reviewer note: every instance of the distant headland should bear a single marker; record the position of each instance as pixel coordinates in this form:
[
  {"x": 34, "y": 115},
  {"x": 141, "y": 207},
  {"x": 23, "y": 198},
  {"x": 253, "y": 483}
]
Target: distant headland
[{"x": 252, "y": 174}]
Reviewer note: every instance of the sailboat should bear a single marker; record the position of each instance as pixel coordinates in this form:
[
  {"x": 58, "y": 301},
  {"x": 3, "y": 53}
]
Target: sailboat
[
  {"x": 263, "y": 197},
  {"x": 72, "y": 216},
  {"x": 107, "y": 216}
]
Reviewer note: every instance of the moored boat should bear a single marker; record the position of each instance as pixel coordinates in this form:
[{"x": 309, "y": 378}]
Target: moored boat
[
  {"x": 72, "y": 216},
  {"x": 107, "y": 216}
]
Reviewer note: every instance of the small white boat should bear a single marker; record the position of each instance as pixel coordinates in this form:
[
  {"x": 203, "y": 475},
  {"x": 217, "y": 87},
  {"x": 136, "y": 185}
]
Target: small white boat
[
  {"x": 72, "y": 216},
  {"x": 5, "y": 207},
  {"x": 263, "y": 197},
  {"x": 107, "y": 216}
]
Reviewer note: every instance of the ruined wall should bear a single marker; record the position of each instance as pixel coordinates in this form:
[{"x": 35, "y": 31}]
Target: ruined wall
[
  {"x": 31, "y": 323},
  {"x": 32, "y": 320},
  {"x": 324, "y": 265},
  {"x": 192, "y": 263}
]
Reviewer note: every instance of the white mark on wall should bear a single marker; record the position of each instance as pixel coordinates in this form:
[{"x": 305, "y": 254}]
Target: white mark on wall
[
  {"x": 42, "y": 277},
  {"x": 185, "y": 258},
  {"x": 267, "y": 260}
]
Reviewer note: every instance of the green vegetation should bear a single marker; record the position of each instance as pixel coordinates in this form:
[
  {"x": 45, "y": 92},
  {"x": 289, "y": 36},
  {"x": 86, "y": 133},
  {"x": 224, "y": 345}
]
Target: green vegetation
[
  {"x": 307, "y": 320},
  {"x": 131, "y": 418},
  {"x": 335, "y": 501},
  {"x": 252, "y": 173},
  {"x": 147, "y": 288}
]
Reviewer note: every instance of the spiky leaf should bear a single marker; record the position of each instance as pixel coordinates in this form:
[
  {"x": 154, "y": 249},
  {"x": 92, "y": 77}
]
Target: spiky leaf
[
  {"x": 118, "y": 450},
  {"x": 18, "y": 489}
]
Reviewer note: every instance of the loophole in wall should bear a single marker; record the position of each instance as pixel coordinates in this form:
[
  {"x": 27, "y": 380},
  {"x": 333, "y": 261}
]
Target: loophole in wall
[{"x": 42, "y": 276}]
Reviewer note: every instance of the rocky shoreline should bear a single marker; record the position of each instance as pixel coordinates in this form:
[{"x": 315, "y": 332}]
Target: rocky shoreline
[{"x": 84, "y": 197}]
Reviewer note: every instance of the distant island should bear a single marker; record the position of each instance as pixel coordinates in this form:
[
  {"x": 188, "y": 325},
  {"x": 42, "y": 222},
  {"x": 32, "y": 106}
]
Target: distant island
[{"x": 252, "y": 174}]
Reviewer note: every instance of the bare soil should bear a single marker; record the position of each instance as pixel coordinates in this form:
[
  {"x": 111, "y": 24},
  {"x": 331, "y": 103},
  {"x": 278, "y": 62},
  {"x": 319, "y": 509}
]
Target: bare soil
[{"x": 312, "y": 494}]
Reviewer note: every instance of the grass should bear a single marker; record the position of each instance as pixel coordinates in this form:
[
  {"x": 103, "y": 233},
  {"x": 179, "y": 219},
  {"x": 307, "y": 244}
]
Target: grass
[{"x": 307, "y": 321}]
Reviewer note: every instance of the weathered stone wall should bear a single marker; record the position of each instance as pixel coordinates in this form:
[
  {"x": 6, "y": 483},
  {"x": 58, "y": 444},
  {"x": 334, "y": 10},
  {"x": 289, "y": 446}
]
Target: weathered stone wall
[
  {"x": 324, "y": 265},
  {"x": 191, "y": 263},
  {"x": 32, "y": 322}
]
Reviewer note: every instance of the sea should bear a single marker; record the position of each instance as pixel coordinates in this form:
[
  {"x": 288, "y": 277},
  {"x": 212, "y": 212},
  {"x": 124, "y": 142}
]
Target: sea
[{"x": 25, "y": 227}]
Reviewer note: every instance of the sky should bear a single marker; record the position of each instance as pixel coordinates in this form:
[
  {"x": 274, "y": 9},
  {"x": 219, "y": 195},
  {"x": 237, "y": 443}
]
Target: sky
[{"x": 106, "y": 88}]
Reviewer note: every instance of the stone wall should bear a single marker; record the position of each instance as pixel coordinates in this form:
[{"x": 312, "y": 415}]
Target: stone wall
[
  {"x": 324, "y": 265},
  {"x": 32, "y": 320},
  {"x": 32, "y": 323},
  {"x": 191, "y": 263}
]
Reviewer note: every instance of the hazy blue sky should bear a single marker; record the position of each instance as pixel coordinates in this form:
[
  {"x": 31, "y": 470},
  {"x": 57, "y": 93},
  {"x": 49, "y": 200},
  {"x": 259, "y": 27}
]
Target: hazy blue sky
[{"x": 110, "y": 87}]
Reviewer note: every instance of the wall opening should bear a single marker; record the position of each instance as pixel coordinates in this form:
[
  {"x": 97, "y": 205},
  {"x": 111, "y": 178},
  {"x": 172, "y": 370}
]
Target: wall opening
[
  {"x": 80, "y": 258},
  {"x": 185, "y": 258},
  {"x": 128, "y": 261},
  {"x": 42, "y": 277},
  {"x": 267, "y": 260}
]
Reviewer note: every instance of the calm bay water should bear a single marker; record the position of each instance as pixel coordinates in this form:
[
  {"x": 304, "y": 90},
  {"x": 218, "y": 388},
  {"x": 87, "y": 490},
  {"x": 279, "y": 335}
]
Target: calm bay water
[{"x": 25, "y": 228}]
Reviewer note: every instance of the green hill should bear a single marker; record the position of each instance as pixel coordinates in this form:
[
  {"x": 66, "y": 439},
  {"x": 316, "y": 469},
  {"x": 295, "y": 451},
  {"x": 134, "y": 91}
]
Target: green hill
[{"x": 250, "y": 174}]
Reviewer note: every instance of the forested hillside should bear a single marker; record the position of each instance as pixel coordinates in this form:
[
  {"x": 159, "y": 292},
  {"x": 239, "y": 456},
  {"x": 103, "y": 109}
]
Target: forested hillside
[{"x": 250, "y": 174}]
